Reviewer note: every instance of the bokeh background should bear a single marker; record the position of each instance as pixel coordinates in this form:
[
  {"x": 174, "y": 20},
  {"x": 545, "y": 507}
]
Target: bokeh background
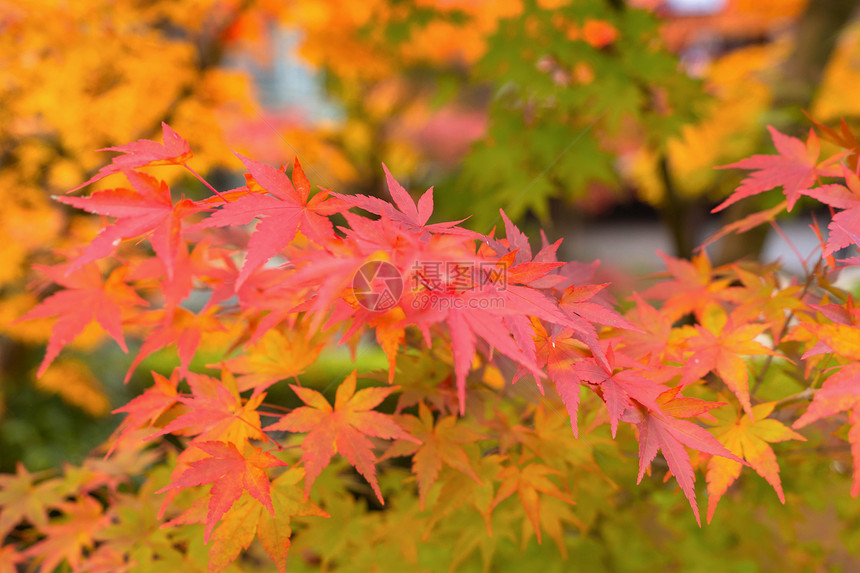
[{"x": 598, "y": 121}]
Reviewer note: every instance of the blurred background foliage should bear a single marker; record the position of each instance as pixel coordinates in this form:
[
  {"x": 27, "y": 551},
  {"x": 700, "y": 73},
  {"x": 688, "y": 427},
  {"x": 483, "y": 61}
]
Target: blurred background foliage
[{"x": 558, "y": 112}]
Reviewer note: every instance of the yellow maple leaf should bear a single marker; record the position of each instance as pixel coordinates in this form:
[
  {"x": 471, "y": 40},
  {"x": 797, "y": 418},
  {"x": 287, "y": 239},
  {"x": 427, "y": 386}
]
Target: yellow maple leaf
[{"x": 748, "y": 439}]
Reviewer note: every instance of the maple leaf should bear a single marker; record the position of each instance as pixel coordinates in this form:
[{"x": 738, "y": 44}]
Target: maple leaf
[
  {"x": 274, "y": 357},
  {"x": 143, "y": 410},
  {"x": 624, "y": 385},
  {"x": 746, "y": 437},
  {"x": 717, "y": 344},
  {"x": 499, "y": 314},
  {"x": 323, "y": 278},
  {"x": 845, "y": 138},
  {"x": 248, "y": 516},
  {"x": 406, "y": 212},
  {"x": 840, "y": 392},
  {"x": 70, "y": 535},
  {"x": 527, "y": 481},
  {"x": 22, "y": 498},
  {"x": 231, "y": 472},
  {"x": 343, "y": 429},
  {"x": 694, "y": 286},
  {"x": 188, "y": 267},
  {"x": 583, "y": 313},
  {"x": 746, "y": 223},
  {"x": 560, "y": 351},
  {"x": 85, "y": 299},
  {"x": 180, "y": 327},
  {"x": 440, "y": 443},
  {"x": 659, "y": 431},
  {"x": 215, "y": 412},
  {"x": 173, "y": 151},
  {"x": 424, "y": 376},
  {"x": 578, "y": 300},
  {"x": 677, "y": 406},
  {"x": 762, "y": 298},
  {"x": 284, "y": 209},
  {"x": 465, "y": 321},
  {"x": 841, "y": 339},
  {"x": 795, "y": 169},
  {"x": 146, "y": 209},
  {"x": 10, "y": 557},
  {"x": 845, "y": 226},
  {"x": 654, "y": 329},
  {"x": 390, "y": 334},
  {"x": 136, "y": 539}
]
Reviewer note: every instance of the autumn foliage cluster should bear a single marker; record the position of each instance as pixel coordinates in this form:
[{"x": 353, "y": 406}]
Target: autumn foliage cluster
[{"x": 509, "y": 372}]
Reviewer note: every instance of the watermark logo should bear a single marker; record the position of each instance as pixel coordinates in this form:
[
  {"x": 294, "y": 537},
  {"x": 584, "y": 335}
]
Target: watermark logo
[
  {"x": 457, "y": 276},
  {"x": 377, "y": 286}
]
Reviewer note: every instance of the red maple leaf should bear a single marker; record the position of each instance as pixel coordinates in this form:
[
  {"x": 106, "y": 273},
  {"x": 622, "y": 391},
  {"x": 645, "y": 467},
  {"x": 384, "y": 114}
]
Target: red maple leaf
[
  {"x": 490, "y": 308},
  {"x": 343, "y": 429},
  {"x": 845, "y": 226},
  {"x": 205, "y": 264},
  {"x": 145, "y": 409},
  {"x": 231, "y": 472},
  {"x": 145, "y": 209},
  {"x": 143, "y": 152},
  {"x": 838, "y": 393},
  {"x": 584, "y": 314},
  {"x": 795, "y": 169},
  {"x": 180, "y": 327},
  {"x": 466, "y": 319},
  {"x": 406, "y": 212},
  {"x": 284, "y": 209},
  {"x": 559, "y": 351},
  {"x": 658, "y": 431},
  {"x": 85, "y": 299}
]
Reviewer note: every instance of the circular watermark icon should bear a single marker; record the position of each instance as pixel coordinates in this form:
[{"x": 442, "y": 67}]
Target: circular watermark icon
[{"x": 377, "y": 285}]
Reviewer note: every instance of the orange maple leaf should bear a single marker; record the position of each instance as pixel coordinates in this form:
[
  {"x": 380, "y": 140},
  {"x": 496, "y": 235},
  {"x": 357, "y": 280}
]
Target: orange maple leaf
[
  {"x": 215, "y": 411},
  {"x": 526, "y": 481},
  {"x": 717, "y": 345},
  {"x": 441, "y": 443},
  {"x": 69, "y": 536},
  {"x": 695, "y": 284},
  {"x": 343, "y": 429},
  {"x": 248, "y": 517}
]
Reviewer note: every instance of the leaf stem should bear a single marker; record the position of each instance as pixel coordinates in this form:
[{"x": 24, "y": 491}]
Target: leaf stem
[{"x": 206, "y": 183}]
